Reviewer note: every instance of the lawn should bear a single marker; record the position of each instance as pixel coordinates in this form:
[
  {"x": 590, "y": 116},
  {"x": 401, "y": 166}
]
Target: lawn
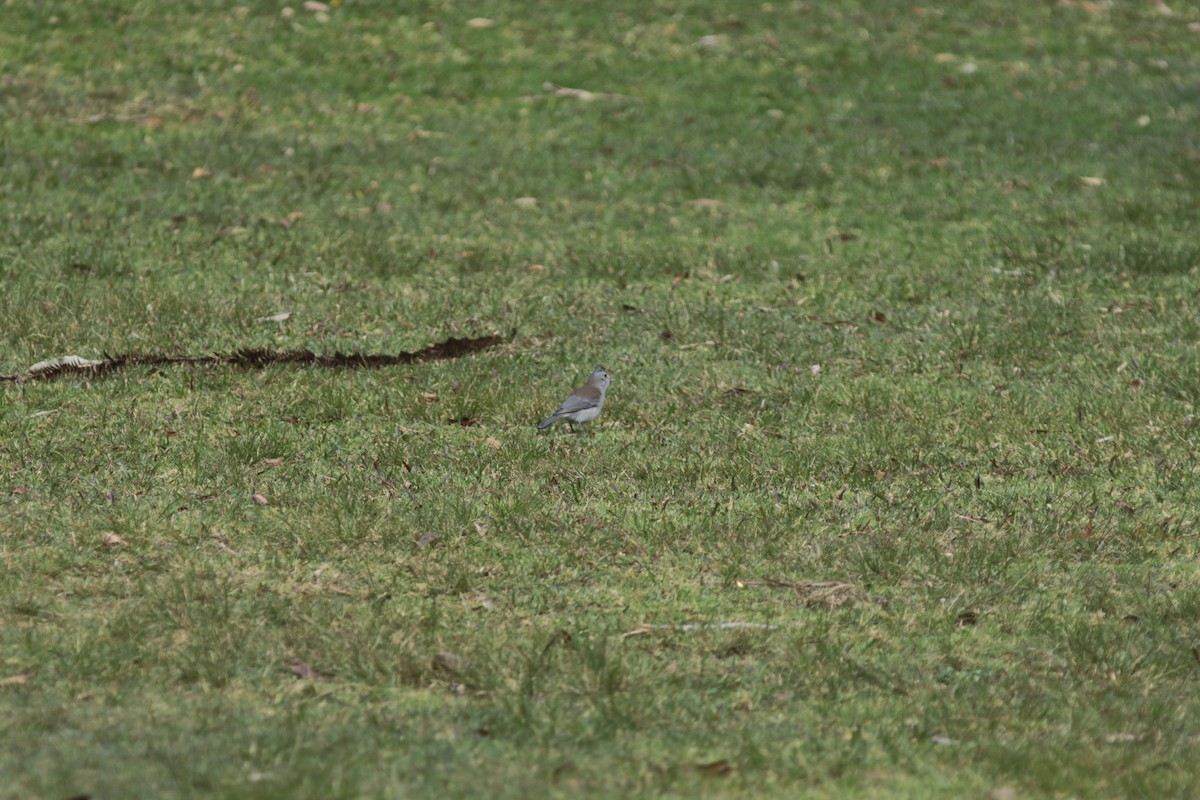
[{"x": 895, "y": 493}]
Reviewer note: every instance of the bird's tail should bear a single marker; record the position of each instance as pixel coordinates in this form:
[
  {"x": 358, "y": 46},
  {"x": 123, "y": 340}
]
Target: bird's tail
[{"x": 547, "y": 422}]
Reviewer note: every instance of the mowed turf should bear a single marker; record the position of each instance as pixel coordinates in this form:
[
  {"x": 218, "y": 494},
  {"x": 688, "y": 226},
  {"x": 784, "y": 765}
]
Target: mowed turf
[{"x": 894, "y": 493}]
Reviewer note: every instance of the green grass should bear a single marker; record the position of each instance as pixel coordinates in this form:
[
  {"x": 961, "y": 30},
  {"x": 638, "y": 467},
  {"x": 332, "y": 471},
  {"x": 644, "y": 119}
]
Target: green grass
[{"x": 998, "y": 452}]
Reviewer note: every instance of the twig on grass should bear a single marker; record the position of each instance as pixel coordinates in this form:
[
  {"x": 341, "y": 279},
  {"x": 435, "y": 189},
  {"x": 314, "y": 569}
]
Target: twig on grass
[
  {"x": 814, "y": 593},
  {"x": 250, "y": 358},
  {"x": 690, "y": 627},
  {"x": 96, "y": 119},
  {"x": 584, "y": 94}
]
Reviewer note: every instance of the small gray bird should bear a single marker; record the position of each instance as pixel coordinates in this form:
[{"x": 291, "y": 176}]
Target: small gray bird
[{"x": 583, "y": 404}]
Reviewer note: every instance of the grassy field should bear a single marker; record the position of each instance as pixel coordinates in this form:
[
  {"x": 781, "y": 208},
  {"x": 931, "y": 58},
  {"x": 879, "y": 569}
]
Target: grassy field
[{"x": 901, "y": 307}]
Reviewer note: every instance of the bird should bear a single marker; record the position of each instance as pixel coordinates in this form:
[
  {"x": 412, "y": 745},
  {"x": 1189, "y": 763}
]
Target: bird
[{"x": 583, "y": 404}]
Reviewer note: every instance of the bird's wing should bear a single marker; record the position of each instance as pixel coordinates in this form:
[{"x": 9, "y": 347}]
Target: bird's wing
[{"x": 575, "y": 403}]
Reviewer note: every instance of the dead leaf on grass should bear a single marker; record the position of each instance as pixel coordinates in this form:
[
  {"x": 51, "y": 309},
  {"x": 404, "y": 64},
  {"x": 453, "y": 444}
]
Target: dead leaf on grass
[
  {"x": 280, "y": 317},
  {"x": 714, "y": 768},
  {"x": 260, "y": 500},
  {"x": 14, "y": 680},
  {"x": 481, "y": 22},
  {"x": 111, "y": 539},
  {"x": 303, "y": 671},
  {"x": 448, "y": 663},
  {"x": 427, "y": 539}
]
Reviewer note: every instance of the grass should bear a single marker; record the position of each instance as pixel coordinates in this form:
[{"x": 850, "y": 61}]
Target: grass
[{"x": 901, "y": 298}]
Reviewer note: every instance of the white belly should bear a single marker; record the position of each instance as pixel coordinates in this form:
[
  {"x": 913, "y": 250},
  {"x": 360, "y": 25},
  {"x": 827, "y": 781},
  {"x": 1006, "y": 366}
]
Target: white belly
[{"x": 587, "y": 415}]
